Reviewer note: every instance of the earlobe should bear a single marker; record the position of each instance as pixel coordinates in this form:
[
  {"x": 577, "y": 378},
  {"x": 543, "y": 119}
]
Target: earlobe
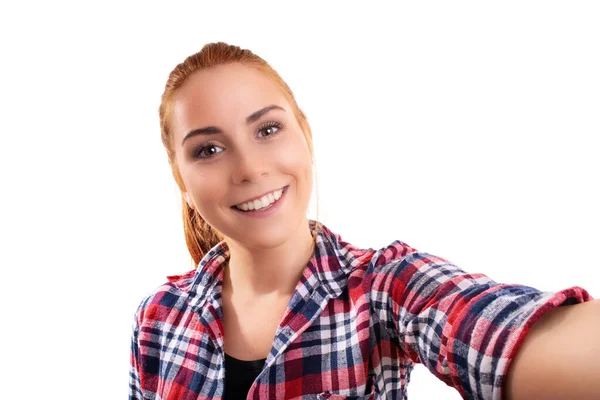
[{"x": 188, "y": 201}]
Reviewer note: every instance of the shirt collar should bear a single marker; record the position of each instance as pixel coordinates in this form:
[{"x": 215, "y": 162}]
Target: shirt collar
[{"x": 329, "y": 266}]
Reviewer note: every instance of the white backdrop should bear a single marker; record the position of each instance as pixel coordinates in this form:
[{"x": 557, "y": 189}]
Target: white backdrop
[{"x": 467, "y": 130}]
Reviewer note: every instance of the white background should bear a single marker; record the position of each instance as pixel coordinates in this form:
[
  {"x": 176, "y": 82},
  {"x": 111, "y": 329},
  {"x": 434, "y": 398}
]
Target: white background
[{"x": 467, "y": 130}]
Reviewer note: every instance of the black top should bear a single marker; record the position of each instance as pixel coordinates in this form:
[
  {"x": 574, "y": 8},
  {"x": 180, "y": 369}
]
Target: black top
[{"x": 239, "y": 376}]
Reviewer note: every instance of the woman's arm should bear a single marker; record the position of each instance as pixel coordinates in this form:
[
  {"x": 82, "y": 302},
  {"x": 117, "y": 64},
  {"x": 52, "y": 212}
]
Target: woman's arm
[
  {"x": 135, "y": 387},
  {"x": 465, "y": 328},
  {"x": 560, "y": 356}
]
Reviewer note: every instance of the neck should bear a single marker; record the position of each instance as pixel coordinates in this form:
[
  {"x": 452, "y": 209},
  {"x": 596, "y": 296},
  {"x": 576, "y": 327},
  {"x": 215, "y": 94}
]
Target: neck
[{"x": 268, "y": 272}]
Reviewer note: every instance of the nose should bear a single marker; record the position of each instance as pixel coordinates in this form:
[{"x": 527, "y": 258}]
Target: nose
[{"x": 249, "y": 167}]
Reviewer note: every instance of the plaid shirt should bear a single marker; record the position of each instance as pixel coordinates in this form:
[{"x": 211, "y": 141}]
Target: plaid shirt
[{"x": 358, "y": 321}]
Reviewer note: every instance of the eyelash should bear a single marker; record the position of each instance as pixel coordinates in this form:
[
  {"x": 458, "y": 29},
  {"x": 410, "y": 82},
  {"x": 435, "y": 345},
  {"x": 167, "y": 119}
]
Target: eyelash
[{"x": 265, "y": 125}]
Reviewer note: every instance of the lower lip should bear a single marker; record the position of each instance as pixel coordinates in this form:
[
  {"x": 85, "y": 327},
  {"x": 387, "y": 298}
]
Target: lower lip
[{"x": 267, "y": 211}]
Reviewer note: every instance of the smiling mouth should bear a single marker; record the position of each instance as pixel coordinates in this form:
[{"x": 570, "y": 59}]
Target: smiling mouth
[{"x": 262, "y": 204}]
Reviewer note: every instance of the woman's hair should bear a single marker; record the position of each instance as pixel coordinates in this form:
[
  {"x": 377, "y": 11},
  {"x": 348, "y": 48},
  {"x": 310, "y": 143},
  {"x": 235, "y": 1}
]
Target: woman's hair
[{"x": 199, "y": 236}]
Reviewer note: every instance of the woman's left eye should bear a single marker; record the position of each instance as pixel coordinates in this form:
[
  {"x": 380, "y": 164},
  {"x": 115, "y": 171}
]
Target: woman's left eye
[{"x": 270, "y": 129}]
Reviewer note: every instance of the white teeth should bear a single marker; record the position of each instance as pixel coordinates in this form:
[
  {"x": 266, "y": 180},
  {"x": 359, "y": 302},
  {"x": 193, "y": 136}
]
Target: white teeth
[{"x": 263, "y": 202}]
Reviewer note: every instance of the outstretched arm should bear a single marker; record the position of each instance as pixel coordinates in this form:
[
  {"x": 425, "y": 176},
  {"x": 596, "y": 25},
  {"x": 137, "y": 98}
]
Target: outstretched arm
[
  {"x": 560, "y": 356},
  {"x": 467, "y": 329}
]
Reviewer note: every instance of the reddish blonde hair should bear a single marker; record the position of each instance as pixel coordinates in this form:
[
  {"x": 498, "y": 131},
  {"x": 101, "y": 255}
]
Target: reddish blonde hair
[{"x": 199, "y": 236}]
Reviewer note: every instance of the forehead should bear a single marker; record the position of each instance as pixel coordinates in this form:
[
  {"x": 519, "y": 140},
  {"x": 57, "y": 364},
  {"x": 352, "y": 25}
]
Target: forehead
[{"x": 223, "y": 96}]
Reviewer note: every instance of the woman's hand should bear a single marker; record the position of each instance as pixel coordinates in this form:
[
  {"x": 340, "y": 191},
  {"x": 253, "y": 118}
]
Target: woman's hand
[{"x": 560, "y": 357}]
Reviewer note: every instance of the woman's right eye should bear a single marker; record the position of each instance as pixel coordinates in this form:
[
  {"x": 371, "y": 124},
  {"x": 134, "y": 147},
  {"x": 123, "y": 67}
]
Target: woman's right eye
[{"x": 207, "y": 151}]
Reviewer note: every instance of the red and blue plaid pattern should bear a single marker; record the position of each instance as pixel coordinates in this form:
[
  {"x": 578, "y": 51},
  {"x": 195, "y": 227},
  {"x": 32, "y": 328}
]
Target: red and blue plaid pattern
[{"x": 357, "y": 323}]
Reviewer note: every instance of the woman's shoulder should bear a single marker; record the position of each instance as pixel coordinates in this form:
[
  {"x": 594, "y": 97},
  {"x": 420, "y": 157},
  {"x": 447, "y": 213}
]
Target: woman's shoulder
[
  {"x": 362, "y": 257},
  {"x": 378, "y": 259},
  {"x": 170, "y": 295}
]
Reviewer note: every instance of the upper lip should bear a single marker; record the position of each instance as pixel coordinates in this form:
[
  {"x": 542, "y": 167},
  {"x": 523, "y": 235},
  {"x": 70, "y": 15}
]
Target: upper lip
[{"x": 259, "y": 196}]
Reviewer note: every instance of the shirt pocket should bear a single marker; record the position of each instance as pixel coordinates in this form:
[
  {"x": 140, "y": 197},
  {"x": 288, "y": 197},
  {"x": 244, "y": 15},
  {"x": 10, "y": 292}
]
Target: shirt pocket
[
  {"x": 333, "y": 396},
  {"x": 329, "y": 395}
]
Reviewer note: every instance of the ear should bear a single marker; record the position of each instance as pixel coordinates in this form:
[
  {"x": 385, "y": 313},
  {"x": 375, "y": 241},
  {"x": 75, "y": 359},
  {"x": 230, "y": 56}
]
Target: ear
[{"x": 188, "y": 200}]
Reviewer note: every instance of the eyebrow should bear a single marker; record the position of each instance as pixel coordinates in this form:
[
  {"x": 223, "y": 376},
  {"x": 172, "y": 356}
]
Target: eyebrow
[{"x": 212, "y": 130}]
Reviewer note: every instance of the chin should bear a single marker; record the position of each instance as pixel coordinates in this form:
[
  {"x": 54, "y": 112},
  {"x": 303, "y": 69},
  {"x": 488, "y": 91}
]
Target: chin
[
  {"x": 268, "y": 238},
  {"x": 268, "y": 233}
]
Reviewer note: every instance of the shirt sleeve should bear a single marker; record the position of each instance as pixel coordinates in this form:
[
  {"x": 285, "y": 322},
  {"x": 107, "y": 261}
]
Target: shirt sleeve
[
  {"x": 465, "y": 328},
  {"x": 135, "y": 386}
]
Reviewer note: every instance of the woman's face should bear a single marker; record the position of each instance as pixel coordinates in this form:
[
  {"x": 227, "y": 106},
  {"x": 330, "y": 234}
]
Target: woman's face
[{"x": 236, "y": 139}]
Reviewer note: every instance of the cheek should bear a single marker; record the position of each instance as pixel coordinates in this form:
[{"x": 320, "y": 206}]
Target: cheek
[
  {"x": 202, "y": 185},
  {"x": 297, "y": 161}
]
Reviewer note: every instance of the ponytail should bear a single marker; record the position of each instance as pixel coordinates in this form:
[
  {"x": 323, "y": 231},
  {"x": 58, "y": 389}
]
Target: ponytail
[{"x": 199, "y": 236}]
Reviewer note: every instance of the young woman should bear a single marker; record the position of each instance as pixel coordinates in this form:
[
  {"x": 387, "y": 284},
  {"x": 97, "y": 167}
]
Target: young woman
[{"x": 280, "y": 307}]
